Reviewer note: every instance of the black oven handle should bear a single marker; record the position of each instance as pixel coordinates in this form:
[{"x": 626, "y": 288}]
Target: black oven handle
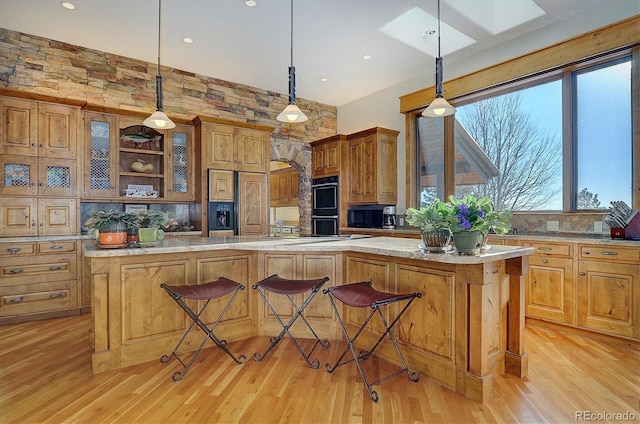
[
  {"x": 324, "y": 185},
  {"x": 325, "y": 217}
]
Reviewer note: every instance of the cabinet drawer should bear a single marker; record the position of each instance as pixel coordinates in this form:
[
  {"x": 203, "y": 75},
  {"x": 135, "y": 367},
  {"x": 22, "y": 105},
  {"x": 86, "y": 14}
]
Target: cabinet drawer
[
  {"x": 610, "y": 253},
  {"x": 38, "y": 269},
  {"x": 550, "y": 249},
  {"x": 16, "y": 249},
  {"x": 56, "y": 246},
  {"x": 37, "y": 298}
]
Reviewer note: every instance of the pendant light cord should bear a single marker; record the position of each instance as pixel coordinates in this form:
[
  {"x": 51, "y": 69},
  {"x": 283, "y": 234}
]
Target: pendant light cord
[
  {"x": 159, "y": 76},
  {"x": 438, "y": 28},
  {"x": 291, "y": 35}
]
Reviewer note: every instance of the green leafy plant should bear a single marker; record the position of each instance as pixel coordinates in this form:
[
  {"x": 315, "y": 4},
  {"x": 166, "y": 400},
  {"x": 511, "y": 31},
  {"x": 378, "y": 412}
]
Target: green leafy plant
[
  {"x": 106, "y": 220},
  {"x": 431, "y": 217},
  {"x": 477, "y": 214},
  {"x": 152, "y": 219}
]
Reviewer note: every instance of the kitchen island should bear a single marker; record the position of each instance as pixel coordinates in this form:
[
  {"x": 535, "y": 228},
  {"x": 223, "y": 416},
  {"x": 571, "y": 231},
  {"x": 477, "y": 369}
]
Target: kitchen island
[{"x": 467, "y": 328}]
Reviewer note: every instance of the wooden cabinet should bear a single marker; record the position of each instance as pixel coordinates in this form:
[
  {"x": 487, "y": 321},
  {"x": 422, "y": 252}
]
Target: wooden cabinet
[
  {"x": 180, "y": 164},
  {"x": 29, "y": 128},
  {"x": 253, "y": 210},
  {"x": 114, "y": 143},
  {"x": 27, "y": 216},
  {"x": 549, "y": 284},
  {"x": 221, "y": 186},
  {"x": 609, "y": 289},
  {"x": 325, "y": 156},
  {"x": 38, "y": 278},
  {"x": 234, "y": 148},
  {"x": 29, "y": 175},
  {"x": 101, "y": 147},
  {"x": 284, "y": 187},
  {"x": 371, "y": 166},
  {"x": 319, "y": 312}
]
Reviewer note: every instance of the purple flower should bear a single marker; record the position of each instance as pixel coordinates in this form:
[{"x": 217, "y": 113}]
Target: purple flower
[{"x": 481, "y": 213}]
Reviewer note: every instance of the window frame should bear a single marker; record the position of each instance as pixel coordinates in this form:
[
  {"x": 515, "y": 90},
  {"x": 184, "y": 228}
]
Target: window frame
[{"x": 565, "y": 73}]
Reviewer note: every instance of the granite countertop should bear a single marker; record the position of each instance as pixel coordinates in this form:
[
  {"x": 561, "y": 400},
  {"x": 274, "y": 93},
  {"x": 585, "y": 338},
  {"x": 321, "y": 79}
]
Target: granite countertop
[
  {"x": 387, "y": 246},
  {"x": 521, "y": 235}
]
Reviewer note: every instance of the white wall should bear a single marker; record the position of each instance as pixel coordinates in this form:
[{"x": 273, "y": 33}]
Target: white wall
[{"x": 382, "y": 109}]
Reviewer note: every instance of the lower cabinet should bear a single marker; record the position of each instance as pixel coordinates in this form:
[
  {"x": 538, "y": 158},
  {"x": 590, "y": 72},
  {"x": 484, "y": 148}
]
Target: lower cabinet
[
  {"x": 609, "y": 290},
  {"x": 38, "y": 280},
  {"x": 304, "y": 267}
]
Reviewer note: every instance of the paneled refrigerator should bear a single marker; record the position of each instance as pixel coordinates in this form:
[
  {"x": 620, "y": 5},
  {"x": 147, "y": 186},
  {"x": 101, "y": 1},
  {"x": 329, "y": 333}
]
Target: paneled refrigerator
[{"x": 238, "y": 203}]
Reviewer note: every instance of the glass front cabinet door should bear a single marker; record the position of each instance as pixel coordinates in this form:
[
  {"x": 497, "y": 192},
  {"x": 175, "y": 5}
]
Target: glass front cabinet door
[
  {"x": 180, "y": 164},
  {"x": 100, "y": 157}
]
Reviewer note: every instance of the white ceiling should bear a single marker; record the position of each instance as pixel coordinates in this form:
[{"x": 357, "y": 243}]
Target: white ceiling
[{"x": 246, "y": 45}]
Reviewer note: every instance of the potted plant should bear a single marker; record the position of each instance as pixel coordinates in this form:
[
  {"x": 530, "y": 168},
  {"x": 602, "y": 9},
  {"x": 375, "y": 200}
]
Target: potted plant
[
  {"x": 109, "y": 225},
  {"x": 150, "y": 223},
  {"x": 471, "y": 219},
  {"x": 433, "y": 222},
  {"x": 133, "y": 221}
]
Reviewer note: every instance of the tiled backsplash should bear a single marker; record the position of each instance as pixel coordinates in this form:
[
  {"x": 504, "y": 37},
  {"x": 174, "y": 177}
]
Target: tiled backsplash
[{"x": 581, "y": 223}]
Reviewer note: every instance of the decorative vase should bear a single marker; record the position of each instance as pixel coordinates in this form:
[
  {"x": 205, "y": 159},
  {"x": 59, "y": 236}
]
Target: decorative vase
[
  {"x": 150, "y": 235},
  {"x": 467, "y": 242},
  {"x": 436, "y": 240},
  {"x": 132, "y": 235}
]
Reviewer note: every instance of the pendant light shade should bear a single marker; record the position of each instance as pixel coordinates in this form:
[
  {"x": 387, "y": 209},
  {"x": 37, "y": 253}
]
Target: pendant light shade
[
  {"x": 439, "y": 106},
  {"x": 292, "y": 113},
  {"x": 159, "y": 120}
]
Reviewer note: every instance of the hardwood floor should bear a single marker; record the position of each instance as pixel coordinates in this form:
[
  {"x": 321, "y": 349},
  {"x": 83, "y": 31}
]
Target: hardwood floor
[{"x": 45, "y": 376}]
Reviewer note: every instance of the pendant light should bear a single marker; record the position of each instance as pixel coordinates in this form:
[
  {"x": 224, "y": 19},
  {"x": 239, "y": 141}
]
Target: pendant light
[
  {"x": 158, "y": 120},
  {"x": 292, "y": 113},
  {"x": 439, "y": 106}
]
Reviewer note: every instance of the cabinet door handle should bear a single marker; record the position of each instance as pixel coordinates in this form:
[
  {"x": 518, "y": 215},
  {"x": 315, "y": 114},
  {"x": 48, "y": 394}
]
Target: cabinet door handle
[
  {"x": 546, "y": 249},
  {"x": 55, "y": 268},
  {"x": 55, "y": 295},
  {"x": 14, "y": 250},
  {"x": 609, "y": 253},
  {"x": 16, "y": 271},
  {"x": 582, "y": 274},
  {"x": 57, "y": 247},
  {"x": 17, "y": 300}
]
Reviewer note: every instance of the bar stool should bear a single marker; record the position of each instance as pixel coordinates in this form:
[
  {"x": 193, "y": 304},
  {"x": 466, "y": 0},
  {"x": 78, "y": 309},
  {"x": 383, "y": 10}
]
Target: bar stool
[
  {"x": 362, "y": 295},
  {"x": 207, "y": 291},
  {"x": 278, "y": 285}
]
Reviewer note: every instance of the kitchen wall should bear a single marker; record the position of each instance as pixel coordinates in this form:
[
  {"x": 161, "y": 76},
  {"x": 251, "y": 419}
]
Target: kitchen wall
[
  {"x": 35, "y": 65},
  {"x": 383, "y": 107}
]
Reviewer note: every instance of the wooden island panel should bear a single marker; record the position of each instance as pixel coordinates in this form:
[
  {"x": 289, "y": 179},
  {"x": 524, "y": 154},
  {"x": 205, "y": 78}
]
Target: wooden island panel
[{"x": 467, "y": 328}]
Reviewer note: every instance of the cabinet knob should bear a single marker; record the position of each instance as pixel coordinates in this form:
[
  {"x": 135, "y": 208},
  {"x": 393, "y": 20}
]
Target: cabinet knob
[
  {"x": 41, "y": 224},
  {"x": 582, "y": 274},
  {"x": 55, "y": 295},
  {"x": 41, "y": 184},
  {"x": 16, "y": 271},
  {"x": 33, "y": 144},
  {"x": 545, "y": 261},
  {"x": 55, "y": 268},
  {"x": 57, "y": 247},
  {"x": 41, "y": 146}
]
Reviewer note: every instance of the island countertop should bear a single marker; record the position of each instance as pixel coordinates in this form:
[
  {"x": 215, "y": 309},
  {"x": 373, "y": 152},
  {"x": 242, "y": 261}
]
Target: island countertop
[{"x": 386, "y": 246}]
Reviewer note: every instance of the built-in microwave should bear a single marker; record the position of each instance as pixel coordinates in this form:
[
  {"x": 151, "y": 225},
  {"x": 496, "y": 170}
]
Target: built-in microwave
[{"x": 369, "y": 216}]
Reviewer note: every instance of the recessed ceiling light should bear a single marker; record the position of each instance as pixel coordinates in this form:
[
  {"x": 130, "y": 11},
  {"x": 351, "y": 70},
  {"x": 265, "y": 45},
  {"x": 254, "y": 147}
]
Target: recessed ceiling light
[
  {"x": 68, "y": 5},
  {"x": 366, "y": 57},
  {"x": 250, "y": 3},
  {"x": 324, "y": 79},
  {"x": 188, "y": 40}
]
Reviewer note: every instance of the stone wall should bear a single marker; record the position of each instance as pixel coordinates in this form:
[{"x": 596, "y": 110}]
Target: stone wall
[{"x": 52, "y": 68}]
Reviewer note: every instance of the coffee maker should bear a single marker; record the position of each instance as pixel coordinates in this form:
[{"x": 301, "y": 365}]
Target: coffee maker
[{"x": 389, "y": 217}]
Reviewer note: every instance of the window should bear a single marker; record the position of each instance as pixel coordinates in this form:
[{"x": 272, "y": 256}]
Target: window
[{"x": 511, "y": 144}]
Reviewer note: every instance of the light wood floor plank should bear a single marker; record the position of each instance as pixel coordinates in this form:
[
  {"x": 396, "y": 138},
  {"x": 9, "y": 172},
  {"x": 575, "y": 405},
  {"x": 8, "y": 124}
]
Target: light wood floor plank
[{"x": 46, "y": 376}]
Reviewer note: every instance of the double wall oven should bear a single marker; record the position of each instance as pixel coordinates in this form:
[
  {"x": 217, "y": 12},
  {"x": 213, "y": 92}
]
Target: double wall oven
[{"x": 324, "y": 218}]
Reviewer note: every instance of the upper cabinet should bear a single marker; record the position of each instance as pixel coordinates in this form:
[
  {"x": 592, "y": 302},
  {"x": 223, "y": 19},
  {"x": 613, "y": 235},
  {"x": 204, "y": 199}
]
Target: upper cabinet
[
  {"x": 325, "y": 156},
  {"x": 30, "y": 128},
  {"x": 371, "y": 163},
  {"x": 284, "y": 187},
  {"x": 234, "y": 148},
  {"x": 128, "y": 161}
]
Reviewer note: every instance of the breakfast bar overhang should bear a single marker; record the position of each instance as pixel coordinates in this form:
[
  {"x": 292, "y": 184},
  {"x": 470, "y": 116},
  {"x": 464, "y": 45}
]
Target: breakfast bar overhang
[{"x": 467, "y": 328}]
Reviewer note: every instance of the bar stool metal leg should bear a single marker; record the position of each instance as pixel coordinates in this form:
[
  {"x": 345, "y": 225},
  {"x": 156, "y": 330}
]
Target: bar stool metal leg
[
  {"x": 202, "y": 292},
  {"x": 363, "y": 295},
  {"x": 279, "y": 285}
]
